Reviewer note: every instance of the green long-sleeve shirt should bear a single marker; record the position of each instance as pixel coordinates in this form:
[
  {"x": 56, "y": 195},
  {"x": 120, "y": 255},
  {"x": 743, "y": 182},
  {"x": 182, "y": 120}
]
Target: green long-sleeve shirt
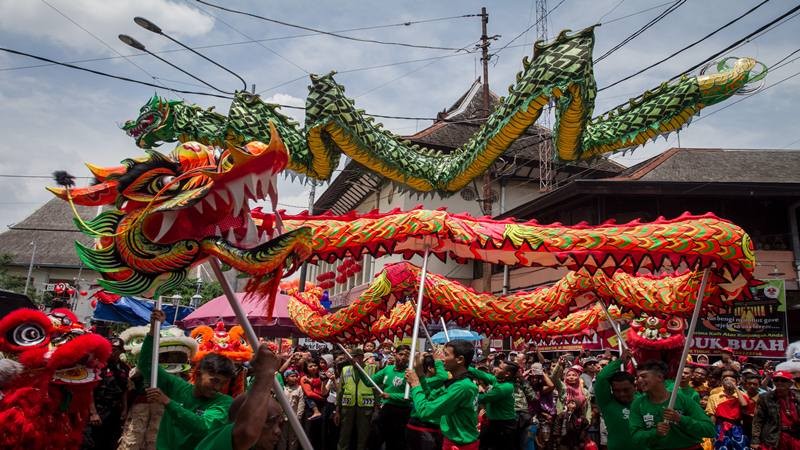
[
  {"x": 392, "y": 380},
  {"x": 432, "y": 383},
  {"x": 689, "y": 431},
  {"x": 498, "y": 399},
  {"x": 187, "y": 419},
  {"x": 615, "y": 414},
  {"x": 453, "y": 406}
]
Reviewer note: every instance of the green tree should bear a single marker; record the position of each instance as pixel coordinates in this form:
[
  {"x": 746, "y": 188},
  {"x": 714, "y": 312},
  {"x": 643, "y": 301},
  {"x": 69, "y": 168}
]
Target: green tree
[{"x": 9, "y": 282}]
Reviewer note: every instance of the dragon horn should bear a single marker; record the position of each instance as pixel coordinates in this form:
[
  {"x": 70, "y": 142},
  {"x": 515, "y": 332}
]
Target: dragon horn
[
  {"x": 104, "y": 193},
  {"x": 101, "y": 173}
]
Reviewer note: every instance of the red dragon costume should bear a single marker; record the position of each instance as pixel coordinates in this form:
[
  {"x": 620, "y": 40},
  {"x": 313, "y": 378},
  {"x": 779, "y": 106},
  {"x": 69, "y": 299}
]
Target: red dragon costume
[{"x": 47, "y": 406}]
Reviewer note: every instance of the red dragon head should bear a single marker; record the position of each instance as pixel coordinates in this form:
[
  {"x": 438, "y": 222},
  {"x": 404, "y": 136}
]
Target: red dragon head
[{"x": 174, "y": 211}]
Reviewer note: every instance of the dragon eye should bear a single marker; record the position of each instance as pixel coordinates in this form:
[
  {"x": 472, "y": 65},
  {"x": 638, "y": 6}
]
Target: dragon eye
[
  {"x": 27, "y": 335},
  {"x": 160, "y": 182}
]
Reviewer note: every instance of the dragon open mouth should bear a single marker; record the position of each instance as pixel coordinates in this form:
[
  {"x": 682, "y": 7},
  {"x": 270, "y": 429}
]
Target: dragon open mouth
[
  {"x": 223, "y": 212},
  {"x": 76, "y": 375},
  {"x": 141, "y": 126}
]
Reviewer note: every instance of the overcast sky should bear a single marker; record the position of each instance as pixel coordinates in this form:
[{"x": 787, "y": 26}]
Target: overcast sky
[{"x": 57, "y": 118}]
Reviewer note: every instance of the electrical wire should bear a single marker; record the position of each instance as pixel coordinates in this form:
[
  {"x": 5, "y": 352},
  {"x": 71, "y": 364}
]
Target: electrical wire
[
  {"x": 254, "y": 41},
  {"x": 329, "y": 33},
  {"x": 64, "y": 15},
  {"x": 529, "y": 28},
  {"x": 746, "y": 13},
  {"x": 610, "y": 11},
  {"x": 108, "y": 75},
  {"x": 672, "y": 8}
]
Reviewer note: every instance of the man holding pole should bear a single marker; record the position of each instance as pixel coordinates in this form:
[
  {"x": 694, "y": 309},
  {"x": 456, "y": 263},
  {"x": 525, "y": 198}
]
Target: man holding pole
[
  {"x": 454, "y": 406},
  {"x": 654, "y": 425},
  {"x": 190, "y": 411}
]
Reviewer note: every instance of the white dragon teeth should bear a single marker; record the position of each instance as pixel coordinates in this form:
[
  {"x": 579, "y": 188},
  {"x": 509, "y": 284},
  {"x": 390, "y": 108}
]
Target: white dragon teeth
[
  {"x": 167, "y": 220},
  {"x": 252, "y": 233},
  {"x": 211, "y": 202},
  {"x": 223, "y": 195},
  {"x": 199, "y": 206},
  {"x": 231, "y": 238}
]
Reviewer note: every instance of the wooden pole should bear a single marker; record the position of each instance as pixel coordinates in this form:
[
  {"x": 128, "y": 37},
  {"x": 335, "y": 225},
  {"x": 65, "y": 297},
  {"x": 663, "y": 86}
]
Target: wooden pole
[{"x": 156, "y": 342}]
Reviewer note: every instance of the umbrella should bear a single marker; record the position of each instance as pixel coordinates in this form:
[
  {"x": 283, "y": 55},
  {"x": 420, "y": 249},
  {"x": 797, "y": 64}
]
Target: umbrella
[
  {"x": 218, "y": 309},
  {"x": 456, "y": 333},
  {"x": 9, "y": 301}
]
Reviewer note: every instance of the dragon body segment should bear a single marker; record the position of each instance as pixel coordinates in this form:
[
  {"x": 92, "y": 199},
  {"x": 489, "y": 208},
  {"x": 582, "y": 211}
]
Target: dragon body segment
[
  {"x": 698, "y": 241},
  {"x": 561, "y": 71},
  {"x": 567, "y": 307}
]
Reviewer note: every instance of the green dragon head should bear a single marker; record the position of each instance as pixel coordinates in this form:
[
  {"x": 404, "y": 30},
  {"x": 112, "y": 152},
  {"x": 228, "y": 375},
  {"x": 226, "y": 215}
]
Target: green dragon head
[
  {"x": 175, "y": 349},
  {"x": 155, "y": 124},
  {"x": 174, "y": 211}
]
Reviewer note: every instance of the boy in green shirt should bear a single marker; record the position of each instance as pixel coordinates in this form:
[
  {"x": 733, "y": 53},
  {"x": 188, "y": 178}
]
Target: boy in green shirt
[
  {"x": 455, "y": 404},
  {"x": 498, "y": 399},
  {"x": 190, "y": 411},
  {"x": 654, "y": 426},
  {"x": 614, "y": 391},
  {"x": 389, "y": 425}
]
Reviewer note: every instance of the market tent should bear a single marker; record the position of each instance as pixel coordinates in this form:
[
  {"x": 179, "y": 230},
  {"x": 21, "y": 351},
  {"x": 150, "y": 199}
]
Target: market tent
[
  {"x": 280, "y": 325},
  {"x": 135, "y": 311},
  {"x": 9, "y": 301}
]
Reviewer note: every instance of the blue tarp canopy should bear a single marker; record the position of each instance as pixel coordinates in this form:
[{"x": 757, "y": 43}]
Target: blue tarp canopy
[{"x": 136, "y": 311}]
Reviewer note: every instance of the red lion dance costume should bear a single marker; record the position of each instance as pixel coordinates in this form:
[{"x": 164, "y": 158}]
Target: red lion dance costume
[
  {"x": 662, "y": 339},
  {"x": 47, "y": 406}
]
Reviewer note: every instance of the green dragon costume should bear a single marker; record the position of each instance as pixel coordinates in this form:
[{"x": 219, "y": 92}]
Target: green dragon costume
[
  {"x": 561, "y": 71},
  {"x": 175, "y": 349}
]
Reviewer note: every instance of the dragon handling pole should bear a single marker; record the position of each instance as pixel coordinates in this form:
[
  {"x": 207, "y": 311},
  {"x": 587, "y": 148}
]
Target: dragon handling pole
[
  {"x": 277, "y": 389},
  {"x": 154, "y": 330},
  {"x": 689, "y": 337},
  {"x": 415, "y": 333},
  {"x": 361, "y": 369}
]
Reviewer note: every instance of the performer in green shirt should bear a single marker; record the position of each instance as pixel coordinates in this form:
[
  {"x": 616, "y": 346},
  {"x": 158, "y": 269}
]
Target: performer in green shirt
[
  {"x": 190, "y": 411},
  {"x": 654, "y": 426},
  {"x": 614, "y": 390},
  {"x": 498, "y": 399},
  {"x": 389, "y": 425},
  {"x": 256, "y": 417},
  {"x": 421, "y": 434},
  {"x": 455, "y": 404}
]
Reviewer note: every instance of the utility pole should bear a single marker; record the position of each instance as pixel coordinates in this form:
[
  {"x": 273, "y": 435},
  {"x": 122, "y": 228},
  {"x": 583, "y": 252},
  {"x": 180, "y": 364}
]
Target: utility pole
[
  {"x": 301, "y": 286},
  {"x": 546, "y": 176},
  {"x": 487, "y": 176}
]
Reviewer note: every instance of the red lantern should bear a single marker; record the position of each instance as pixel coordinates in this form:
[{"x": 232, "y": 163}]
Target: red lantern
[
  {"x": 94, "y": 303},
  {"x": 71, "y": 291},
  {"x": 59, "y": 288},
  {"x": 83, "y": 293}
]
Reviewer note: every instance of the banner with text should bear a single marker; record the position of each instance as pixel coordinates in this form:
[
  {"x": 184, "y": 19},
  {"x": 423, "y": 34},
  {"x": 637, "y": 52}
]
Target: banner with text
[{"x": 755, "y": 328}]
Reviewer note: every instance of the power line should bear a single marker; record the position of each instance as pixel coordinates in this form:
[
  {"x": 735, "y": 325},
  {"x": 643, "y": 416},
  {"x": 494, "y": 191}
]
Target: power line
[
  {"x": 641, "y": 30},
  {"x": 329, "y": 33},
  {"x": 703, "y": 39},
  {"x": 153, "y": 77},
  {"x": 228, "y": 44},
  {"x": 108, "y": 75},
  {"x": 254, "y": 41},
  {"x": 610, "y": 11},
  {"x": 529, "y": 28}
]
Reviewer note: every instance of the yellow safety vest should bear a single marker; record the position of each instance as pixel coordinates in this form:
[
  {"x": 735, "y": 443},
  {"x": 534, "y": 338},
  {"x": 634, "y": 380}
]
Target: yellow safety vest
[{"x": 354, "y": 391}]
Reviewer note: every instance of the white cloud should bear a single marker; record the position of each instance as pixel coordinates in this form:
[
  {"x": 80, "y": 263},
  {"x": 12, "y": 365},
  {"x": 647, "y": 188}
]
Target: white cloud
[{"x": 105, "y": 19}]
